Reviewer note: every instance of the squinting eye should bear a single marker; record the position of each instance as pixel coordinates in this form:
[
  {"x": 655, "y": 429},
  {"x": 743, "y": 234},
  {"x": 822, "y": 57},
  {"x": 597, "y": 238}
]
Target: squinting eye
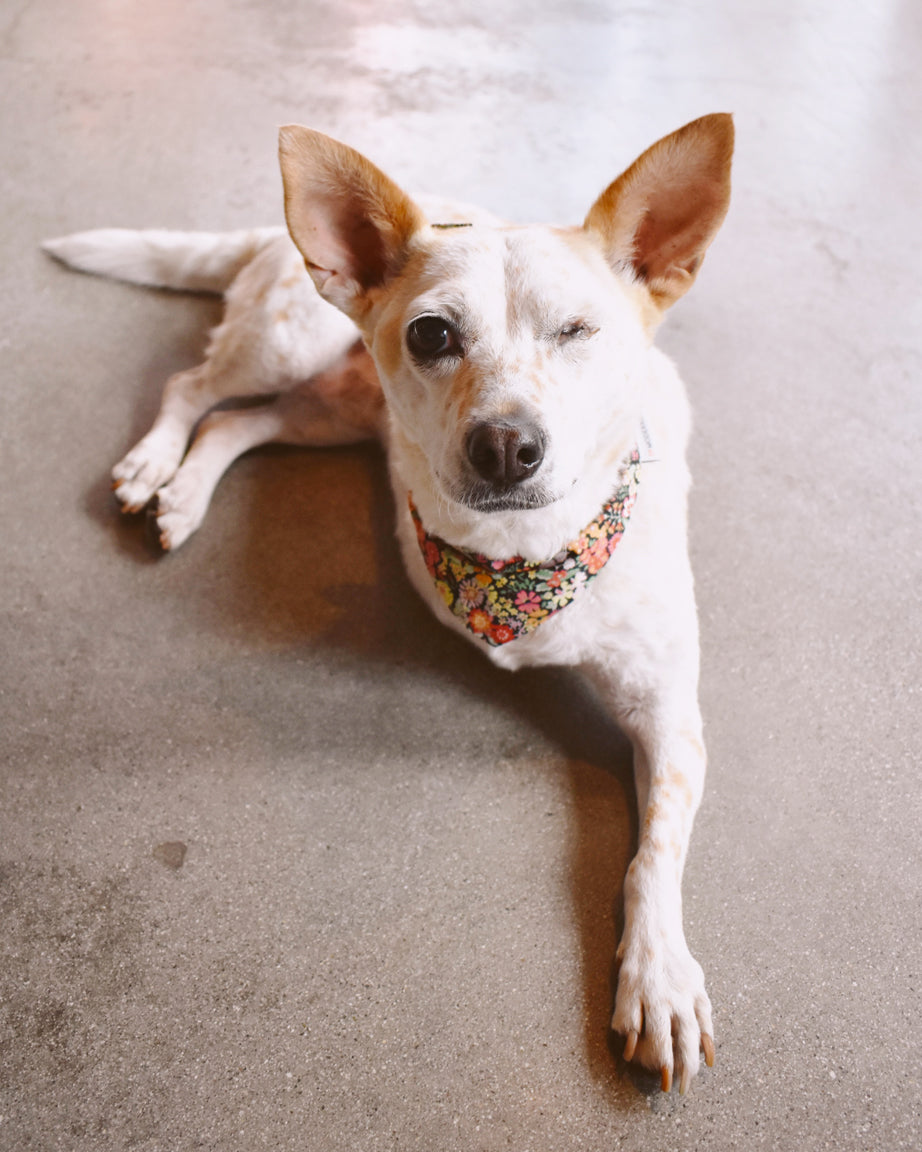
[
  {"x": 575, "y": 330},
  {"x": 431, "y": 338}
]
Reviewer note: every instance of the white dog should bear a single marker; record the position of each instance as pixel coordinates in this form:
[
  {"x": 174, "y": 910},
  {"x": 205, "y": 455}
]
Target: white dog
[{"x": 536, "y": 444}]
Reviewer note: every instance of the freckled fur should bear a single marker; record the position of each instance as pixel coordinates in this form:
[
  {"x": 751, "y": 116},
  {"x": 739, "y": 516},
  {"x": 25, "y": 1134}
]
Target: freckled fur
[{"x": 367, "y": 262}]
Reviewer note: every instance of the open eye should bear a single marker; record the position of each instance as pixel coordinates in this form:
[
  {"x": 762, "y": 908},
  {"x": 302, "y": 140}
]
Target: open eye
[
  {"x": 575, "y": 330},
  {"x": 431, "y": 338}
]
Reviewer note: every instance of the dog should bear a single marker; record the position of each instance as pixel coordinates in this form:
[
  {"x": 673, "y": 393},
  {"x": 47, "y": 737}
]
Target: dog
[{"x": 536, "y": 448}]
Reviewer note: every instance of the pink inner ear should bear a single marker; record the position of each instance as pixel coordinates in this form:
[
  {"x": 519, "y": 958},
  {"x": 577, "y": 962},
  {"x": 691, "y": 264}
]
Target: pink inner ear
[
  {"x": 669, "y": 235},
  {"x": 369, "y": 253},
  {"x": 347, "y": 243}
]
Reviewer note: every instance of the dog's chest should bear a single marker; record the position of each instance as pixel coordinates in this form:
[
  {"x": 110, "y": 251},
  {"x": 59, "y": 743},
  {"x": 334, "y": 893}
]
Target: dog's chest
[{"x": 584, "y": 628}]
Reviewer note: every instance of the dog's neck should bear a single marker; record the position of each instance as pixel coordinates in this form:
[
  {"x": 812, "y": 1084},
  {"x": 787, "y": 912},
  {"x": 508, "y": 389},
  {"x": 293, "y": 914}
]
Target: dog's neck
[{"x": 501, "y": 600}]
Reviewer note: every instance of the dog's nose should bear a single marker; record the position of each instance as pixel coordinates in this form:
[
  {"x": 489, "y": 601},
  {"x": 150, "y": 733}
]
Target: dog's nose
[{"x": 505, "y": 452}]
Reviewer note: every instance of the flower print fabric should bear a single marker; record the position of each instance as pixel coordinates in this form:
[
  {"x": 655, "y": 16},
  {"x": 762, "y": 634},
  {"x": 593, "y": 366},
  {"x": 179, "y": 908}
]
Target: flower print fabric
[{"x": 500, "y": 600}]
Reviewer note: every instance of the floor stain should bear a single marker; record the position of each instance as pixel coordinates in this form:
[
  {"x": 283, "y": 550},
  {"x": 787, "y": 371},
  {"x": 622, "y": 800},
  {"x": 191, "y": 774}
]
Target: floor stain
[{"x": 171, "y": 853}]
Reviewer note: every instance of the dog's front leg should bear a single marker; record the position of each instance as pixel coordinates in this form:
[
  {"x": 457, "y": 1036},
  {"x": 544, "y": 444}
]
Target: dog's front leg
[{"x": 661, "y": 1005}]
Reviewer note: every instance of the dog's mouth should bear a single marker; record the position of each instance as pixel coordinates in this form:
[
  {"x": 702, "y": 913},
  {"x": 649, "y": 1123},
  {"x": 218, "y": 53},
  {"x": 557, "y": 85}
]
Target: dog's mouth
[{"x": 513, "y": 498}]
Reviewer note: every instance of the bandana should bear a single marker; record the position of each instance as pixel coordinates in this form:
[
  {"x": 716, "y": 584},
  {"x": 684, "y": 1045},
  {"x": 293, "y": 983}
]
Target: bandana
[{"x": 500, "y": 600}]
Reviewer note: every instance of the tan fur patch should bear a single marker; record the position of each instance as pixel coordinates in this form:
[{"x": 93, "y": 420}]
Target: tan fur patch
[
  {"x": 353, "y": 391},
  {"x": 465, "y": 388},
  {"x": 679, "y": 782},
  {"x": 696, "y": 744}
]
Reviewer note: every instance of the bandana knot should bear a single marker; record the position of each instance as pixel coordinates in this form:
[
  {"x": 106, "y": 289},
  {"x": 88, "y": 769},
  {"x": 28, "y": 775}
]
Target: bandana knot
[{"x": 500, "y": 600}]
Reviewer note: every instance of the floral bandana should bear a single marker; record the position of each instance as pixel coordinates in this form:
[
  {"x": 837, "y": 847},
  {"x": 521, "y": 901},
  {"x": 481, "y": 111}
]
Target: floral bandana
[{"x": 500, "y": 600}]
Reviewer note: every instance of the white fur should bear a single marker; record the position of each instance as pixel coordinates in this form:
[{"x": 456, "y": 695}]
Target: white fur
[
  {"x": 186, "y": 261},
  {"x": 633, "y": 630}
]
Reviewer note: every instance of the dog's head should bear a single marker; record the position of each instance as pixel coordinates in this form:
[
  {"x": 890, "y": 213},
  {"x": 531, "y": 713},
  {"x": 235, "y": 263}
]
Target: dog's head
[{"x": 512, "y": 358}]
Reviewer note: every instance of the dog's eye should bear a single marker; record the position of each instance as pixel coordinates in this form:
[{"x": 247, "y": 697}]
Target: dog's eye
[
  {"x": 575, "y": 330},
  {"x": 431, "y": 338}
]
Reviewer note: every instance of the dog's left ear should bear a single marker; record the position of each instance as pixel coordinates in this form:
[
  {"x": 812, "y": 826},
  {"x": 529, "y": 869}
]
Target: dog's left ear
[
  {"x": 351, "y": 223},
  {"x": 658, "y": 218}
]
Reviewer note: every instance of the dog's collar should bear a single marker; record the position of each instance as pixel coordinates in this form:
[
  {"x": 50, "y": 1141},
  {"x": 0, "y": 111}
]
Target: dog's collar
[{"x": 501, "y": 600}]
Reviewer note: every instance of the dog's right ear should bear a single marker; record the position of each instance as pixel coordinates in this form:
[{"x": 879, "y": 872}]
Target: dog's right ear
[{"x": 351, "y": 223}]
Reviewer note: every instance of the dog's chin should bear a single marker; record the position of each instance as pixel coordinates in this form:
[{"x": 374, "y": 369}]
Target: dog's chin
[{"x": 487, "y": 498}]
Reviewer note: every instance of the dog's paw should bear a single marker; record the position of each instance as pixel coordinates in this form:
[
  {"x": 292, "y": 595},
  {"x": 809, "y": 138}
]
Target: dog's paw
[
  {"x": 663, "y": 1010},
  {"x": 147, "y": 467},
  {"x": 177, "y": 511}
]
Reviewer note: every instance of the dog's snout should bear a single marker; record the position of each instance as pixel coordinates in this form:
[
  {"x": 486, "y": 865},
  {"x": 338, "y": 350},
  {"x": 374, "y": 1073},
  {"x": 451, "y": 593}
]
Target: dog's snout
[{"x": 505, "y": 452}]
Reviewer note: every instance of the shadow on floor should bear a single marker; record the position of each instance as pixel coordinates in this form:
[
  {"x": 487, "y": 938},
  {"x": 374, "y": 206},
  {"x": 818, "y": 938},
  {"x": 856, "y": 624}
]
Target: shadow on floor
[{"x": 316, "y": 564}]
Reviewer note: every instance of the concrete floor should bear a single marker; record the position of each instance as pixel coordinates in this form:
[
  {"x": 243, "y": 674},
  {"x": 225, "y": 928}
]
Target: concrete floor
[{"x": 285, "y": 865}]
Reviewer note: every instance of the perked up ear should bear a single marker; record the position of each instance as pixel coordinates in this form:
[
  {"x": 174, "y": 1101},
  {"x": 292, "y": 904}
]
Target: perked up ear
[
  {"x": 350, "y": 221},
  {"x": 658, "y": 218}
]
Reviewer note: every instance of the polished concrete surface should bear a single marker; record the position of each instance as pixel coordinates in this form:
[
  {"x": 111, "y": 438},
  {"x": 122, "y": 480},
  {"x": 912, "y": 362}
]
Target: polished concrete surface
[{"x": 282, "y": 863}]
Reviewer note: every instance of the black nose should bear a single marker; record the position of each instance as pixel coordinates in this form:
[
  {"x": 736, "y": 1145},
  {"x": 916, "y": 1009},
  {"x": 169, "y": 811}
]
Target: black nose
[{"x": 505, "y": 452}]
